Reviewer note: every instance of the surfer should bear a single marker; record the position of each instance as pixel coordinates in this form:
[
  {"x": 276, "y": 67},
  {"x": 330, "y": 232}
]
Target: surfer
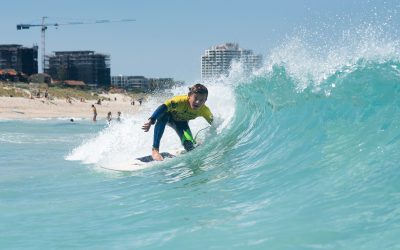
[{"x": 176, "y": 112}]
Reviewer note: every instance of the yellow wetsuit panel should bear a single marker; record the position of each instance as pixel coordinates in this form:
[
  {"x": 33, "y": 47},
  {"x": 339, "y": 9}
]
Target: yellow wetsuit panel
[{"x": 180, "y": 109}]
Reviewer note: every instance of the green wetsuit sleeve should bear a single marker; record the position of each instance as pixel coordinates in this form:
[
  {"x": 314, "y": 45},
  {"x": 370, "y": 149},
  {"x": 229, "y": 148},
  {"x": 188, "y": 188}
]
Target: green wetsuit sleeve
[{"x": 208, "y": 115}]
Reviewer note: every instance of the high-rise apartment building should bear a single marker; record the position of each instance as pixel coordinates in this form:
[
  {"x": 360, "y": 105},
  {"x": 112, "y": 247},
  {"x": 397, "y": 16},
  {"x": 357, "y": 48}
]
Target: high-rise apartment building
[
  {"x": 217, "y": 61},
  {"x": 19, "y": 58},
  {"x": 87, "y": 66}
]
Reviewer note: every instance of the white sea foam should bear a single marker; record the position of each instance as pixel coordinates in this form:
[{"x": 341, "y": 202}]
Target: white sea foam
[{"x": 311, "y": 64}]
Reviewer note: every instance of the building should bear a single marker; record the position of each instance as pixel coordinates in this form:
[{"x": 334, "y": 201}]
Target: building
[
  {"x": 133, "y": 83},
  {"x": 141, "y": 83},
  {"x": 19, "y": 58},
  {"x": 217, "y": 61},
  {"x": 87, "y": 66}
]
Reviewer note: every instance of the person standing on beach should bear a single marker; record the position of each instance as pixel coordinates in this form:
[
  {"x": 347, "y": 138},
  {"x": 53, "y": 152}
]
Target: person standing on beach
[
  {"x": 109, "y": 117},
  {"x": 94, "y": 112}
]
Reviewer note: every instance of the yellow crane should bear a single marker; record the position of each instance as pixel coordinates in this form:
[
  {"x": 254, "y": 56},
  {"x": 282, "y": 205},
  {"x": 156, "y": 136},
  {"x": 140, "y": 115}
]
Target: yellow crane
[{"x": 44, "y": 26}]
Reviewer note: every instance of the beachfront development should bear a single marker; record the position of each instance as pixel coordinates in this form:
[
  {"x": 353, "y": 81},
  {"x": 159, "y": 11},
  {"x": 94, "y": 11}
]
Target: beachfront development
[
  {"x": 37, "y": 101},
  {"x": 74, "y": 80},
  {"x": 87, "y": 68}
]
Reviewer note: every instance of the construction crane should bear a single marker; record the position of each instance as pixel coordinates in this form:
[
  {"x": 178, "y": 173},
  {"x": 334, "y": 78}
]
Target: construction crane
[{"x": 44, "y": 26}]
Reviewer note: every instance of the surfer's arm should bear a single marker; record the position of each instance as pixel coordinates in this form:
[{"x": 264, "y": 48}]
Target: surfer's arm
[
  {"x": 208, "y": 115},
  {"x": 157, "y": 113}
]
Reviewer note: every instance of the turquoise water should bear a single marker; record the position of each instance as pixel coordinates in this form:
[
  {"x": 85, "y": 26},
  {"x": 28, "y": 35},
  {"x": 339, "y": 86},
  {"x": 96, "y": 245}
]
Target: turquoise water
[{"x": 302, "y": 156}]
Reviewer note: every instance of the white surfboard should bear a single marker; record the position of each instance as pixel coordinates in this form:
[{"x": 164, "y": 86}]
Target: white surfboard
[{"x": 143, "y": 162}]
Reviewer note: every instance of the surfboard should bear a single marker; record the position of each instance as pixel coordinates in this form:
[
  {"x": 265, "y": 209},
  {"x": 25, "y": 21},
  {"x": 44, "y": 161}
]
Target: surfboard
[
  {"x": 130, "y": 167},
  {"x": 142, "y": 162},
  {"x": 147, "y": 161}
]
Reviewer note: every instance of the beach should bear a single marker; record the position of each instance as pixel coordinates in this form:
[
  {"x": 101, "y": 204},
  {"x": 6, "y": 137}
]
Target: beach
[{"x": 27, "y": 108}]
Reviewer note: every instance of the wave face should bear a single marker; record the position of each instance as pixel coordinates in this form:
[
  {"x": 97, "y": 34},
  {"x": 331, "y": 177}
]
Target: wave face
[
  {"x": 304, "y": 153},
  {"x": 314, "y": 148}
]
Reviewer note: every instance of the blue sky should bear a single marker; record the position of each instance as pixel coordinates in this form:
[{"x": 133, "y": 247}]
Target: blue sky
[{"x": 168, "y": 37}]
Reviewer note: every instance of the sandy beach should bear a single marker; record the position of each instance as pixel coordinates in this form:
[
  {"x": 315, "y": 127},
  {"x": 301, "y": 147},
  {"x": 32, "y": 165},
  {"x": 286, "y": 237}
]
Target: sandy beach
[{"x": 26, "y": 108}]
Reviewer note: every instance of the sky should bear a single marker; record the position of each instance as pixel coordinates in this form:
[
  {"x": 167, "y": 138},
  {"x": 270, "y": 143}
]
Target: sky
[{"x": 169, "y": 37}]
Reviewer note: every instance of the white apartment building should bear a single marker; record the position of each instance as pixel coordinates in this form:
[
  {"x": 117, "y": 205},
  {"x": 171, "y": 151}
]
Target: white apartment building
[{"x": 217, "y": 60}]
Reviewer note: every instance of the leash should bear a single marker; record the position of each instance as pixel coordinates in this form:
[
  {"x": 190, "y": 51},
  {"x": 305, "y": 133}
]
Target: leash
[{"x": 200, "y": 131}]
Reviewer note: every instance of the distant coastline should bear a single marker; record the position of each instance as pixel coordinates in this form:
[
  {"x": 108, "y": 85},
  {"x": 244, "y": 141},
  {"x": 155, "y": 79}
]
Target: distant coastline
[{"x": 30, "y": 101}]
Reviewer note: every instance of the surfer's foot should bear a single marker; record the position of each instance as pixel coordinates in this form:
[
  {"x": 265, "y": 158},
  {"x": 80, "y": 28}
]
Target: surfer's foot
[{"x": 156, "y": 155}]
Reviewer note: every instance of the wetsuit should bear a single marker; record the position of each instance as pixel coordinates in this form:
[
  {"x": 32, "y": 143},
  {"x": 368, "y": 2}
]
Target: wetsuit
[{"x": 176, "y": 112}]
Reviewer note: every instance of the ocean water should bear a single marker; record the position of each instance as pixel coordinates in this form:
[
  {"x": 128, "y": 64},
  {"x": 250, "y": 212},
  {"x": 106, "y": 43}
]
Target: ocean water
[{"x": 304, "y": 154}]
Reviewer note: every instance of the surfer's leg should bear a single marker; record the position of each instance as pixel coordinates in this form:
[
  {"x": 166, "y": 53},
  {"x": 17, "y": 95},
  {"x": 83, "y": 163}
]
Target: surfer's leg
[
  {"x": 184, "y": 133},
  {"x": 159, "y": 130}
]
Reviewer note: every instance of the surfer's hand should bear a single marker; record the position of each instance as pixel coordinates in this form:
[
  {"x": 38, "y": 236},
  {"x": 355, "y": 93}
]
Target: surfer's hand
[{"x": 146, "y": 126}]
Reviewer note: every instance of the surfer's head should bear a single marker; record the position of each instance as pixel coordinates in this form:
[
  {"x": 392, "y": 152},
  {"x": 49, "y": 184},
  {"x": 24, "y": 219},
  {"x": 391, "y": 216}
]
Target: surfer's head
[
  {"x": 198, "y": 89},
  {"x": 198, "y": 94}
]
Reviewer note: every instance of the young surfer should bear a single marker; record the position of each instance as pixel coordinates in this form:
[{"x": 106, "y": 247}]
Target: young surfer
[{"x": 176, "y": 112}]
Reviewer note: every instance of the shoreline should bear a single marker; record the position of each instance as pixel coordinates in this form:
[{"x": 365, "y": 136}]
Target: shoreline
[{"x": 22, "y": 108}]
